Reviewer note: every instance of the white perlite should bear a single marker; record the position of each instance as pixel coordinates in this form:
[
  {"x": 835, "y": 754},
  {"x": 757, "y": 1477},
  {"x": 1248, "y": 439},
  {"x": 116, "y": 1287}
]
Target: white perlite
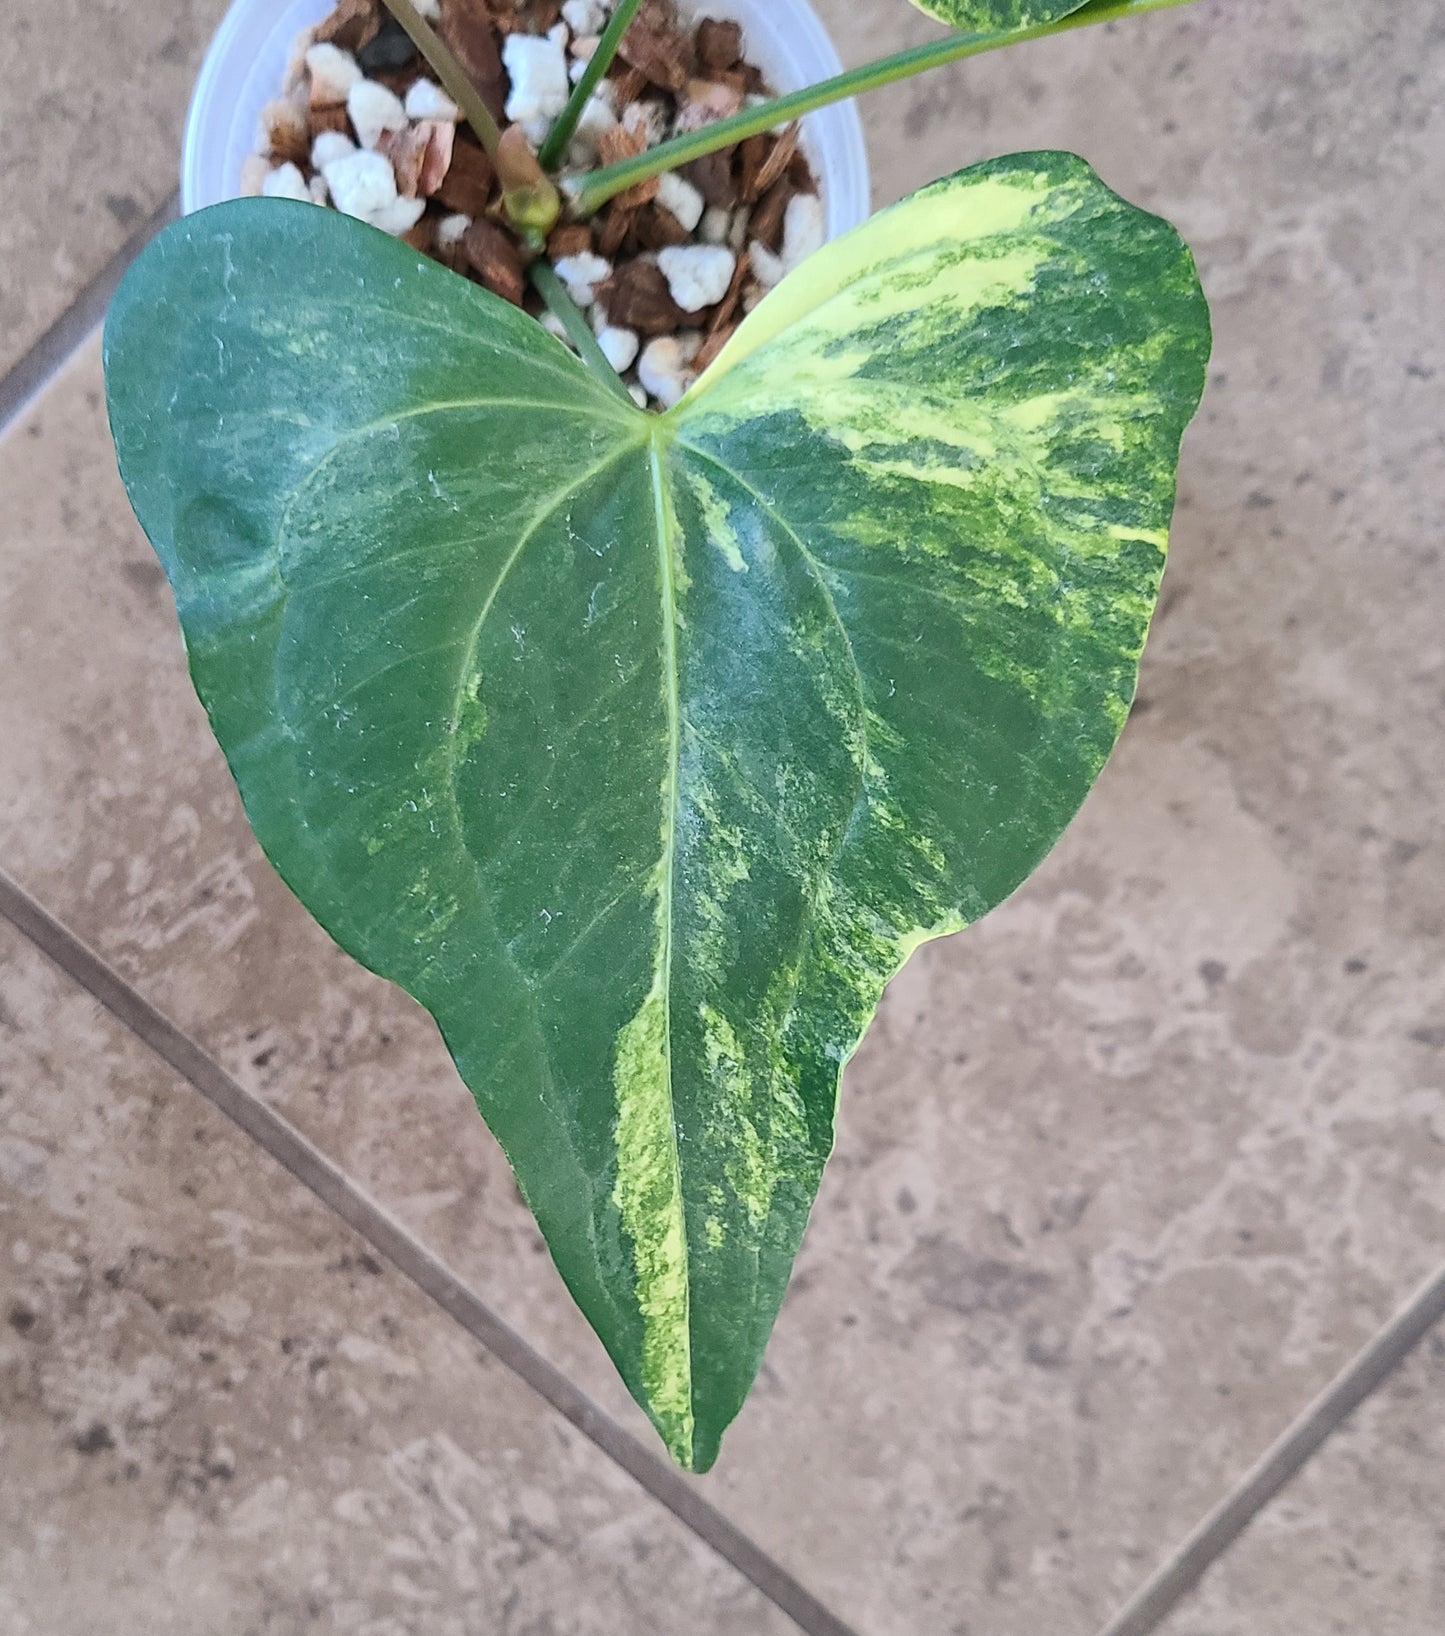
[
  {"x": 286, "y": 182},
  {"x": 372, "y": 110},
  {"x": 677, "y": 195},
  {"x": 647, "y": 120},
  {"x": 584, "y": 16},
  {"x": 581, "y": 274},
  {"x": 802, "y": 228},
  {"x": 333, "y": 73},
  {"x": 398, "y": 217},
  {"x": 450, "y": 230},
  {"x": 802, "y": 235},
  {"x": 619, "y": 346},
  {"x": 715, "y": 223},
  {"x": 698, "y": 275},
  {"x": 663, "y": 368},
  {"x": 537, "y": 68},
  {"x": 427, "y": 100},
  {"x": 361, "y": 183},
  {"x": 767, "y": 268},
  {"x": 330, "y": 146}
]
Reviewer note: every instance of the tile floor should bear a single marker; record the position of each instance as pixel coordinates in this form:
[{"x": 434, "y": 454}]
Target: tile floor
[{"x": 1125, "y": 1174}]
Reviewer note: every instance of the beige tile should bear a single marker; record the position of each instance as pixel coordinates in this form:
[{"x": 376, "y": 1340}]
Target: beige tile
[
  {"x": 90, "y": 141},
  {"x": 219, "y": 1413},
  {"x": 1354, "y": 1543},
  {"x": 1126, "y": 1172}
]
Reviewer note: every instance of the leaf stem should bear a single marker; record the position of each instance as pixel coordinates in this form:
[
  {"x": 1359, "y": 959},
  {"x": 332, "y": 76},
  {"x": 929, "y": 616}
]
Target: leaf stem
[
  {"x": 589, "y": 192},
  {"x": 449, "y": 71},
  {"x": 554, "y": 292},
  {"x": 555, "y": 147}
]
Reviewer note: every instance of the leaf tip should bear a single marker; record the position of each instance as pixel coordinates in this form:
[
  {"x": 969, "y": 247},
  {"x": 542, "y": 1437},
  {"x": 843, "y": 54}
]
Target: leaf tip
[{"x": 701, "y": 1454}]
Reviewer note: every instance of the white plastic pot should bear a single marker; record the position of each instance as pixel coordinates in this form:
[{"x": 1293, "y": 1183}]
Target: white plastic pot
[{"x": 247, "y": 61}]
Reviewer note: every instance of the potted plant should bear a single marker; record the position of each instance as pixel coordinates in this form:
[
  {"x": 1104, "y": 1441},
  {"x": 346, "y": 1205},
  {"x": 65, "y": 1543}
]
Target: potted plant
[{"x": 643, "y": 748}]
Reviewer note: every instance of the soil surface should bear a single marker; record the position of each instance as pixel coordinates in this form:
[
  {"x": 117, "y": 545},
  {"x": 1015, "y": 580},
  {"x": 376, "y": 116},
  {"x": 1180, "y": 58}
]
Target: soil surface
[{"x": 664, "y": 272}]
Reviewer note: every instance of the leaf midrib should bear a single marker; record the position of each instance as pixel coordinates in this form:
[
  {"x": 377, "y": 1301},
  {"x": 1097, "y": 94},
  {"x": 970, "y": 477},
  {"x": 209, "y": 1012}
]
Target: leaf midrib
[
  {"x": 808, "y": 929},
  {"x": 658, "y": 436}
]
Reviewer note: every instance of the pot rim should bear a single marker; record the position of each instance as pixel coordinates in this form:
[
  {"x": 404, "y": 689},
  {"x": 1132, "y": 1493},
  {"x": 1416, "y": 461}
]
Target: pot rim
[{"x": 244, "y": 65}]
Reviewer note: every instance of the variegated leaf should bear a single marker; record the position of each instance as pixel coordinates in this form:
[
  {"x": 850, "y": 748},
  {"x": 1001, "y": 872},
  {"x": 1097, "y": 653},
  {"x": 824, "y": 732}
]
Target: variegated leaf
[
  {"x": 643, "y": 749},
  {"x": 990, "y": 17},
  {"x": 997, "y": 16}
]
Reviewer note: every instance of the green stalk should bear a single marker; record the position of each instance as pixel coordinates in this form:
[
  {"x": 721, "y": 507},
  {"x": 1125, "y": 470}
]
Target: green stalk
[
  {"x": 555, "y": 147},
  {"x": 588, "y": 193},
  {"x": 554, "y": 292},
  {"x": 449, "y": 71}
]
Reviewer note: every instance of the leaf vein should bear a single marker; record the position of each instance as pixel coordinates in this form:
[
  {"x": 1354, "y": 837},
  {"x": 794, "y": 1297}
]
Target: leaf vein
[{"x": 663, "y": 523}]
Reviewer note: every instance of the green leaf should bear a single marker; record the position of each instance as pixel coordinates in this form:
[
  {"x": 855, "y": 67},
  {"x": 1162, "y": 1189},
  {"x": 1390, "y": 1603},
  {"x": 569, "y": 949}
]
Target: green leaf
[
  {"x": 1108, "y": 11},
  {"x": 643, "y": 749},
  {"x": 997, "y": 16},
  {"x": 1016, "y": 16}
]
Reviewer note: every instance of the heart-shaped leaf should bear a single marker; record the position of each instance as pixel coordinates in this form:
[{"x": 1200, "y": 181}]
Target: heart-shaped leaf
[{"x": 643, "y": 749}]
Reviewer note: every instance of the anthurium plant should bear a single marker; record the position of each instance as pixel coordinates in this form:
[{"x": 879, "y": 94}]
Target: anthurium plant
[{"x": 644, "y": 748}]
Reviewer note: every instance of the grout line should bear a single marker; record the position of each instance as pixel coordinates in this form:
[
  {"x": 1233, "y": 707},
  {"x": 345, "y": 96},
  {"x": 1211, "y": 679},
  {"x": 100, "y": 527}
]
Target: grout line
[
  {"x": 285, "y": 1144},
  {"x": 28, "y": 377},
  {"x": 1208, "y": 1541}
]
